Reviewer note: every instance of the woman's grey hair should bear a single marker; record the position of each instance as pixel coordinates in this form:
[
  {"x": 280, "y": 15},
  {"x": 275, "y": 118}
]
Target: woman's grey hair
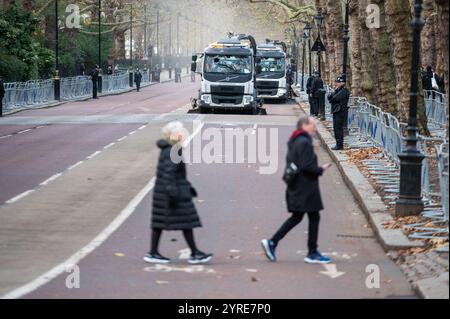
[
  {"x": 302, "y": 121},
  {"x": 171, "y": 132}
]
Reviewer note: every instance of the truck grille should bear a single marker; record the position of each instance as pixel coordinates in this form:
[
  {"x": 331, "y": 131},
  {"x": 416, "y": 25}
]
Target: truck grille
[
  {"x": 227, "y": 94},
  {"x": 267, "y": 87}
]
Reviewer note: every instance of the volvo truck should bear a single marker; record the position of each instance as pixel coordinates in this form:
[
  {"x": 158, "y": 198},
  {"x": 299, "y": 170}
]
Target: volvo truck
[
  {"x": 229, "y": 68},
  {"x": 274, "y": 78}
]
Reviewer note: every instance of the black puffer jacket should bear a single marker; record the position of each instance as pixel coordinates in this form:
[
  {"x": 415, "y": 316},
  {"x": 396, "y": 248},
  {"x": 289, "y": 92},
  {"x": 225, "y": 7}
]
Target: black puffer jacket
[
  {"x": 339, "y": 100},
  {"x": 304, "y": 195},
  {"x": 173, "y": 207}
]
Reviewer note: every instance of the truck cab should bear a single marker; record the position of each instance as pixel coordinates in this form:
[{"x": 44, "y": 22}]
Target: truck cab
[
  {"x": 229, "y": 76},
  {"x": 273, "y": 79}
]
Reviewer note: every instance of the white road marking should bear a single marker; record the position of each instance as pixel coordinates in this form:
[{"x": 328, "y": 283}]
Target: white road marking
[
  {"x": 86, "y": 250},
  {"x": 184, "y": 253},
  {"x": 75, "y": 258},
  {"x": 46, "y": 182},
  {"x": 18, "y": 197},
  {"x": 24, "y": 131},
  {"x": 142, "y": 127},
  {"x": 93, "y": 155},
  {"x": 6, "y": 136},
  {"x": 331, "y": 271},
  {"x": 122, "y": 138},
  {"x": 132, "y": 133},
  {"x": 187, "y": 269},
  {"x": 75, "y": 165},
  {"x": 109, "y": 145},
  {"x": 160, "y": 117}
]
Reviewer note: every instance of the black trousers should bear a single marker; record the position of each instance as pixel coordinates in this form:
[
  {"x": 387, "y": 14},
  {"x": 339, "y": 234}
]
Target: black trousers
[
  {"x": 314, "y": 106},
  {"x": 94, "y": 91},
  {"x": 138, "y": 86},
  {"x": 338, "y": 126},
  {"x": 156, "y": 236},
  {"x": 294, "y": 220}
]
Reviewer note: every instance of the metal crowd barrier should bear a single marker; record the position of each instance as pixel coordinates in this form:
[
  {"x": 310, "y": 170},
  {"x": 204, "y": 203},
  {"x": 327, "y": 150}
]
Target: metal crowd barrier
[
  {"x": 27, "y": 94},
  {"x": 76, "y": 87},
  {"x": 115, "y": 82},
  {"x": 435, "y": 107},
  {"x": 370, "y": 126},
  {"x": 33, "y": 94}
]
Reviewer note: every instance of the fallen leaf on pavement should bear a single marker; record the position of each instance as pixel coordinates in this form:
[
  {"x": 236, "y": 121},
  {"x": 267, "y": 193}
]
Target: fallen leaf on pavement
[{"x": 119, "y": 254}]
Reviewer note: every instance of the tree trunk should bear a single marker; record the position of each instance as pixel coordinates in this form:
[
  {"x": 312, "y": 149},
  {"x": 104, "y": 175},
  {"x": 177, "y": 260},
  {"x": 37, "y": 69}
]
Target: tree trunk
[
  {"x": 355, "y": 48},
  {"x": 398, "y": 18}
]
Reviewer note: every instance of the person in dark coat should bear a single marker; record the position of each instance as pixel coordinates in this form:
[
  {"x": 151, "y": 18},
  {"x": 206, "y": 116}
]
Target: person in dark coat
[
  {"x": 2, "y": 95},
  {"x": 317, "y": 87},
  {"x": 339, "y": 106},
  {"x": 310, "y": 98},
  {"x": 173, "y": 207},
  {"x": 303, "y": 193},
  {"x": 94, "y": 77},
  {"x": 427, "y": 79},
  {"x": 138, "y": 79},
  {"x": 193, "y": 70}
]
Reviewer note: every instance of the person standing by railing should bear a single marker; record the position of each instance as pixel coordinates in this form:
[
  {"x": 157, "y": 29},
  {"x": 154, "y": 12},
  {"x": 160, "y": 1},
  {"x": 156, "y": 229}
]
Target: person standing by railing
[
  {"x": 2, "y": 95},
  {"x": 339, "y": 103},
  {"x": 94, "y": 78},
  {"x": 138, "y": 79}
]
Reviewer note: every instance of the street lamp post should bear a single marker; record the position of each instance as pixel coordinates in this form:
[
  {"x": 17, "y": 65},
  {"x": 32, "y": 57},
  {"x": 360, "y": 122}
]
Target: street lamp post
[
  {"x": 131, "y": 47},
  {"x": 56, "y": 78},
  {"x": 318, "y": 19},
  {"x": 100, "y": 78},
  {"x": 346, "y": 38},
  {"x": 307, "y": 36},
  {"x": 303, "y": 60},
  {"x": 410, "y": 199}
]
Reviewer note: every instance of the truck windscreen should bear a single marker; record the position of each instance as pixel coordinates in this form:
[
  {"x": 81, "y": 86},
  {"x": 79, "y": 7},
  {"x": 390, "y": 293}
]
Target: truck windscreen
[
  {"x": 228, "y": 64},
  {"x": 273, "y": 65}
]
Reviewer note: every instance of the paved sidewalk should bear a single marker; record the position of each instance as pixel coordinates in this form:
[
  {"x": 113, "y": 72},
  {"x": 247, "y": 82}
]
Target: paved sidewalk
[{"x": 426, "y": 270}]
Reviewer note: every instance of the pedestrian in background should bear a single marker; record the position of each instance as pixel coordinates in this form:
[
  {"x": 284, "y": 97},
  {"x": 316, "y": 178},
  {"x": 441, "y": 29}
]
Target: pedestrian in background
[
  {"x": 109, "y": 71},
  {"x": 173, "y": 206},
  {"x": 303, "y": 192},
  {"x": 178, "y": 72},
  {"x": 2, "y": 95},
  {"x": 339, "y": 106},
  {"x": 138, "y": 79},
  {"x": 94, "y": 77},
  {"x": 157, "y": 73},
  {"x": 317, "y": 88},
  {"x": 193, "y": 70}
]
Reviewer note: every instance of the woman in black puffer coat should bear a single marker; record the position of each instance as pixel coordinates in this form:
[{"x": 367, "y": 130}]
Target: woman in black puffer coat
[{"x": 173, "y": 207}]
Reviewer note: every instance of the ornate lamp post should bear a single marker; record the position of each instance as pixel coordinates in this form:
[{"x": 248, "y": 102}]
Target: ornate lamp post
[
  {"x": 346, "y": 38},
  {"x": 410, "y": 199},
  {"x": 100, "y": 78},
  {"x": 307, "y": 30},
  {"x": 318, "y": 20},
  {"x": 304, "y": 38},
  {"x": 319, "y": 47},
  {"x": 56, "y": 77}
]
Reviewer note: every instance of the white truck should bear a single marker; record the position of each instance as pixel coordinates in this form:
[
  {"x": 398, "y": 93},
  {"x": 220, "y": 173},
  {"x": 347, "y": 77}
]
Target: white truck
[
  {"x": 229, "y": 70},
  {"x": 274, "y": 78}
]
